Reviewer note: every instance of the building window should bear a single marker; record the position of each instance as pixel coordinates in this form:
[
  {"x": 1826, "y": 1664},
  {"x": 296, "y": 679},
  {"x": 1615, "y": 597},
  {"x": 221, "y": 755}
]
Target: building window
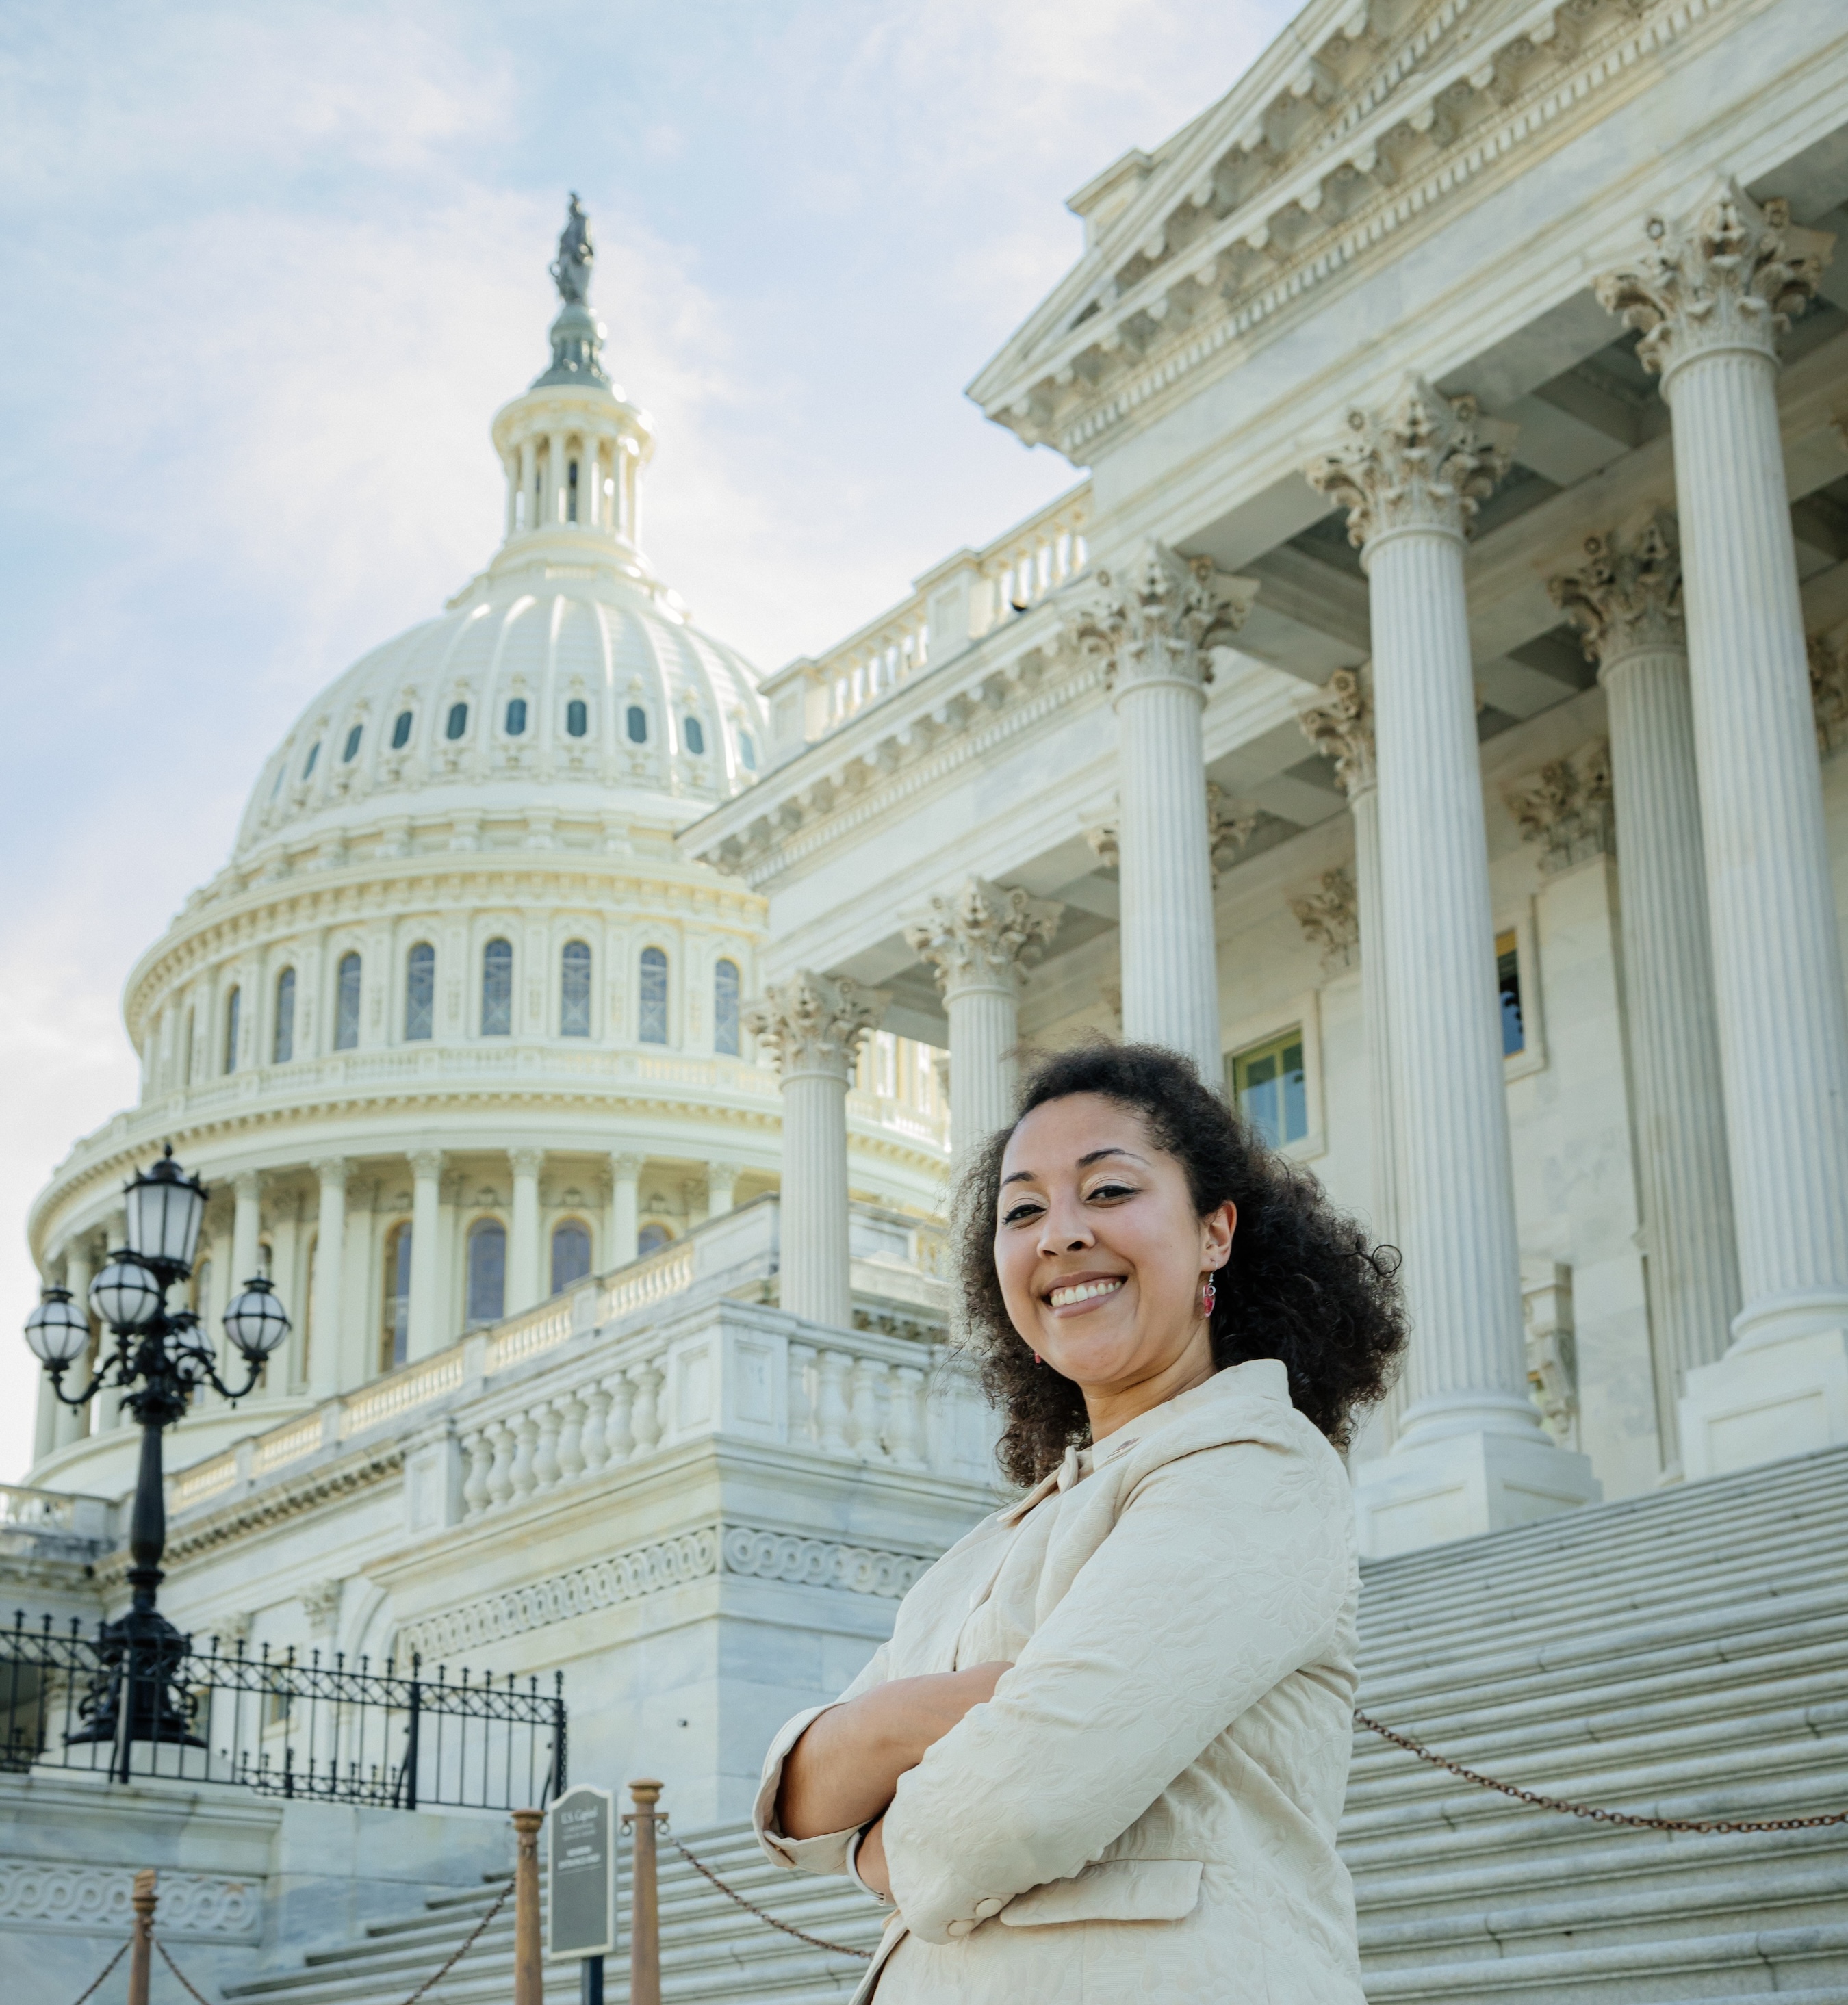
[
  {"x": 420, "y": 991},
  {"x": 574, "y": 990},
  {"x": 1271, "y": 1089},
  {"x": 308, "y": 763},
  {"x": 459, "y": 721},
  {"x": 516, "y": 718},
  {"x": 487, "y": 1271},
  {"x": 282, "y": 1047},
  {"x": 638, "y": 724},
  {"x": 748, "y": 752},
  {"x": 394, "y": 1338},
  {"x": 189, "y": 1057},
  {"x": 651, "y": 1239},
  {"x": 577, "y": 717},
  {"x": 696, "y": 738},
  {"x": 1508, "y": 984},
  {"x": 571, "y": 1254},
  {"x": 571, "y": 499},
  {"x": 346, "y": 1003},
  {"x": 496, "y": 989},
  {"x": 400, "y": 731},
  {"x": 653, "y": 1026},
  {"x": 352, "y": 748},
  {"x": 725, "y": 1008},
  {"x": 233, "y": 1009}
]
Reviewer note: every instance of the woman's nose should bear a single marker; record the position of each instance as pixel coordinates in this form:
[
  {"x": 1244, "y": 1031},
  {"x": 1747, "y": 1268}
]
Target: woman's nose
[{"x": 1063, "y": 1229}]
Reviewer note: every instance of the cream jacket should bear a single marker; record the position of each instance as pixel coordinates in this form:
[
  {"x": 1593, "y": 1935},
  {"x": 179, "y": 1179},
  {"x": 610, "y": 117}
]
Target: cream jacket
[{"x": 1147, "y": 1809}]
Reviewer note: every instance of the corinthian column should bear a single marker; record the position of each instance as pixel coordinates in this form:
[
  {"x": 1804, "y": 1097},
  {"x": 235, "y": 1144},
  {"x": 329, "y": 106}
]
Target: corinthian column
[
  {"x": 812, "y": 1025},
  {"x": 1627, "y": 600},
  {"x": 426, "y": 1332},
  {"x": 525, "y": 1285},
  {"x": 1712, "y": 297},
  {"x": 979, "y": 944},
  {"x": 1471, "y": 1454},
  {"x": 330, "y": 1266},
  {"x": 1155, "y": 625}
]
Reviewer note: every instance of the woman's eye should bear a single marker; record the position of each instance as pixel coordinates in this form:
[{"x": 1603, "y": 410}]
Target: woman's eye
[
  {"x": 1019, "y": 1212},
  {"x": 1114, "y": 1190}
]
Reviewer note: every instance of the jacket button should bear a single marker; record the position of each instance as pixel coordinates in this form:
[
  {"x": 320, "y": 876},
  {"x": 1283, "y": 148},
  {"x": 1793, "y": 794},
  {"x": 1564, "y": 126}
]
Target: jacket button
[
  {"x": 959, "y": 1928},
  {"x": 985, "y": 1910}
]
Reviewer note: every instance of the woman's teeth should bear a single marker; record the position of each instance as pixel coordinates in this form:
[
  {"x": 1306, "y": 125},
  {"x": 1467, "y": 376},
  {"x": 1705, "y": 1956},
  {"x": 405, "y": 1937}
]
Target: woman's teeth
[{"x": 1085, "y": 1291}]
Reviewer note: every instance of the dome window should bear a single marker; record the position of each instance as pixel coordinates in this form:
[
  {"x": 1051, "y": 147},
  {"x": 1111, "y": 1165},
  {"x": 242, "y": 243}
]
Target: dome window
[
  {"x": 574, "y": 990},
  {"x": 571, "y": 1254},
  {"x": 282, "y": 1048},
  {"x": 234, "y": 1010},
  {"x": 346, "y": 1003},
  {"x": 696, "y": 738},
  {"x": 748, "y": 752},
  {"x": 638, "y": 724},
  {"x": 652, "y": 1028},
  {"x": 459, "y": 721},
  {"x": 394, "y": 1338},
  {"x": 577, "y": 718},
  {"x": 352, "y": 751},
  {"x": 487, "y": 1271},
  {"x": 308, "y": 763},
  {"x": 516, "y": 718},
  {"x": 725, "y": 1009},
  {"x": 400, "y": 731},
  {"x": 419, "y": 992},
  {"x": 496, "y": 989}
]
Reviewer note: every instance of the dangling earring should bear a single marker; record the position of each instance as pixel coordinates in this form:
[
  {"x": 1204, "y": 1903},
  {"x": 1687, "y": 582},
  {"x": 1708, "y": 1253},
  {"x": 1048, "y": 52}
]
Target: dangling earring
[
  {"x": 1037, "y": 1359},
  {"x": 1208, "y": 1296}
]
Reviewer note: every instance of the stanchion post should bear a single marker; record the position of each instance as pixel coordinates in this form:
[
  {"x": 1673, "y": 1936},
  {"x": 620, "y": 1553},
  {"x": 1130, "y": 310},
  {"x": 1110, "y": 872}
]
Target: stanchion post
[
  {"x": 644, "y": 1913},
  {"x": 145, "y": 1900},
  {"x": 527, "y": 1982}
]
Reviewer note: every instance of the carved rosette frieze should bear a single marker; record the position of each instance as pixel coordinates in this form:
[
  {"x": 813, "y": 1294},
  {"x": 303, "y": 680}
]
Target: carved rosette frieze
[
  {"x": 1829, "y": 691},
  {"x": 986, "y": 936},
  {"x": 1565, "y": 808},
  {"x": 814, "y": 1023},
  {"x": 1427, "y": 462},
  {"x": 1330, "y": 917},
  {"x": 1341, "y": 728},
  {"x": 1231, "y": 825},
  {"x": 1159, "y": 619},
  {"x": 1732, "y": 277},
  {"x": 1626, "y": 598}
]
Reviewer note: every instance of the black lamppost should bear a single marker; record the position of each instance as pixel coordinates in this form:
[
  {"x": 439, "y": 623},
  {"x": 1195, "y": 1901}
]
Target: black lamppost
[{"x": 158, "y": 1361}]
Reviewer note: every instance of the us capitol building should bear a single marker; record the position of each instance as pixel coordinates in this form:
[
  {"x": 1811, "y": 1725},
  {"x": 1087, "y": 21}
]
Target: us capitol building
[{"x": 1422, "y": 712}]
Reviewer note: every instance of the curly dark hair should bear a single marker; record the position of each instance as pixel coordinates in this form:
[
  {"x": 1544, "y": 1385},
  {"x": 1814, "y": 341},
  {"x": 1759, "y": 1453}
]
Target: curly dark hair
[{"x": 1301, "y": 1284}]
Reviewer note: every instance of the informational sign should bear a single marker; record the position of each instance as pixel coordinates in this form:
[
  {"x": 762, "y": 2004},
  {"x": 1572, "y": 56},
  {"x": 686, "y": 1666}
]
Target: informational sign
[{"x": 581, "y": 1862}]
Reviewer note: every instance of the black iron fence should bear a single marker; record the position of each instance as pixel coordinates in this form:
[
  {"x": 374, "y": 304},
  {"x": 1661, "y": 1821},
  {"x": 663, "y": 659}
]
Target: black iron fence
[{"x": 278, "y": 1723}]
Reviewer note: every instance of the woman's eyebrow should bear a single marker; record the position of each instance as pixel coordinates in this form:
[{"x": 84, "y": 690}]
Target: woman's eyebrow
[{"x": 1097, "y": 1155}]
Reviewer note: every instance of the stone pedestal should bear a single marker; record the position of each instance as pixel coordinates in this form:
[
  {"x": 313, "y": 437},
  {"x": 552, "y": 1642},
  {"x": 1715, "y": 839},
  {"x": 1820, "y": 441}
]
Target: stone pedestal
[{"x": 1785, "y": 1396}]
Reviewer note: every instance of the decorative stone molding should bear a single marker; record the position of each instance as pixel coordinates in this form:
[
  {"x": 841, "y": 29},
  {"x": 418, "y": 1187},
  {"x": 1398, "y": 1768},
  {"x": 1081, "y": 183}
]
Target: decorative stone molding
[
  {"x": 95, "y": 1900},
  {"x": 1427, "y": 462},
  {"x": 814, "y": 1023},
  {"x": 1731, "y": 277},
  {"x": 228, "y": 1630},
  {"x": 1626, "y": 597},
  {"x": 986, "y": 936},
  {"x": 820, "y": 1562},
  {"x": 1341, "y": 728},
  {"x": 1160, "y": 620},
  {"x": 1330, "y": 917},
  {"x": 1230, "y": 825},
  {"x": 321, "y": 1603},
  {"x": 1829, "y": 691},
  {"x": 1552, "y": 1357},
  {"x": 1565, "y": 807}
]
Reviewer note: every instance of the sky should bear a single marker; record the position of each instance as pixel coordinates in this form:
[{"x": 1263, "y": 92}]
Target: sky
[{"x": 266, "y": 273}]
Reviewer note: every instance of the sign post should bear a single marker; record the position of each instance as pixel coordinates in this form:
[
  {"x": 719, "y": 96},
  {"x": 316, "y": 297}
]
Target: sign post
[{"x": 582, "y": 1866}]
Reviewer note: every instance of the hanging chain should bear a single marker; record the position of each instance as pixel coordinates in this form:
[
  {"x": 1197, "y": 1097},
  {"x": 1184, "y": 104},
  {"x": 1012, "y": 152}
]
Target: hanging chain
[
  {"x": 176, "y": 1971},
  {"x": 1590, "y": 1810},
  {"x": 751, "y": 1908},
  {"x": 109, "y": 1966},
  {"x": 472, "y": 1938}
]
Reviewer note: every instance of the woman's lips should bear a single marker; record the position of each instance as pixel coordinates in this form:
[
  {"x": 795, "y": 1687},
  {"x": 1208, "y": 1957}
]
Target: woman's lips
[{"x": 1081, "y": 1293}]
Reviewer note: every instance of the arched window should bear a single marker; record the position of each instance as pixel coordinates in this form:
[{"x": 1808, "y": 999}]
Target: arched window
[
  {"x": 748, "y": 752},
  {"x": 725, "y": 1008},
  {"x": 394, "y": 1337},
  {"x": 420, "y": 991},
  {"x": 638, "y": 725},
  {"x": 570, "y": 501},
  {"x": 516, "y": 718},
  {"x": 281, "y": 1046},
  {"x": 695, "y": 737},
  {"x": 233, "y": 1009},
  {"x": 497, "y": 989},
  {"x": 458, "y": 721},
  {"x": 400, "y": 731},
  {"x": 653, "y": 1026},
  {"x": 313, "y": 753},
  {"x": 577, "y": 717},
  {"x": 346, "y": 1003},
  {"x": 487, "y": 1271},
  {"x": 189, "y": 1057},
  {"x": 571, "y": 1254},
  {"x": 651, "y": 1239},
  {"x": 574, "y": 990},
  {"x": 352, "y": 744}
]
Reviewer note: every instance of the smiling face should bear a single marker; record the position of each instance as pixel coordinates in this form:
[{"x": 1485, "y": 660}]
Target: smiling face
[{"x": 1101, "y": 1255}]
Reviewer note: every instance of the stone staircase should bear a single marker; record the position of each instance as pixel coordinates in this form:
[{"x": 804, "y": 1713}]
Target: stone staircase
[{"x": 1684, "y": 1654}]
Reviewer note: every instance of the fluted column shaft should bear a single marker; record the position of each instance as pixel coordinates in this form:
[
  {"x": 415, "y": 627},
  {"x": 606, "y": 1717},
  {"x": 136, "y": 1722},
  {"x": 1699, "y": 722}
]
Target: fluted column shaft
[
  {"x": 426, "y": 1332},
  {"x": 247, "y": 1228},
  {"x": 625, "y": 1175},
  {"x": 330, "y": 1262},
  {"x": 722, "y": 1180},
  {"x": 1363, "y": 801},
  {"x": 525, "y": 1285}
]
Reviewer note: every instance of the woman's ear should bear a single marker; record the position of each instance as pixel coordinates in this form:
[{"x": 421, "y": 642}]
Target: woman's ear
[{"x": 1217, "y": 1229}]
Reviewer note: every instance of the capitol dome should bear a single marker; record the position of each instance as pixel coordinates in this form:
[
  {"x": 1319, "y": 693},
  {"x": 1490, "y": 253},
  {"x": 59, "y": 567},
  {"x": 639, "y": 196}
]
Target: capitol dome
[{"x": 457, "y": 1024}]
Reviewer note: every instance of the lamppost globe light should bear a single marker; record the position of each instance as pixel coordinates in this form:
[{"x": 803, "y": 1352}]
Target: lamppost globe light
[
  {"x": 166, "y": 1209},
  {"x": 127, "y": 1294},
  {"x": 255, "y": 1322},
  {"x": 57, "y": 1330}
]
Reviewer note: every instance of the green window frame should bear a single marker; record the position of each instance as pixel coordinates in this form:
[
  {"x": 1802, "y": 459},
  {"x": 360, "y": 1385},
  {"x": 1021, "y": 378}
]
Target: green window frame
[{"x": 1269, "y": 1087}]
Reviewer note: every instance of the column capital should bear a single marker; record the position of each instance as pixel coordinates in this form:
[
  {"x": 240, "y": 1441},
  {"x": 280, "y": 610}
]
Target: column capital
[
  {"x": 814, "y": 1023},
  {"x": 1159, "y": 618},
  {"x": 526, "y": 1162},
  {"x": 1829, "y": 691},
  {"x": 1729, "y": 276},
  {"x": 427, "y": 1164},
  {"x": 1341, "y": 728},
  {"x": 247, "y": 1185},
  {"x": 986, "y": 936},
  {"x": 1626, "y": 598},
  {"x": 1566, "y": 807},
  {"x": 1231, "y": 824},
  {"x": 1426, "y": 462},
  {"x": 626, "y": 1167},
  {"x": 1330, "y": 918},
  {"x": 333, "y": 1170}
]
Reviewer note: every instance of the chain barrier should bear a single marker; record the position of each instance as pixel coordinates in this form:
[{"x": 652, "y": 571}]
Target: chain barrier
[
  {"x": 192, "y": 1989},
  {"x": 1592, "y": 1811},
  {"x": 473, "y": 1936},
  {"x": 751, "y": 1908},
  {"x": 107, "y": 1969}
]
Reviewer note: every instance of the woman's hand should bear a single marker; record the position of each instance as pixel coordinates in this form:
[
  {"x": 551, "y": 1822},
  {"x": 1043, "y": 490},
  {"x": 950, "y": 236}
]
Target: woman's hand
[{"x": 843, "y": 1771}]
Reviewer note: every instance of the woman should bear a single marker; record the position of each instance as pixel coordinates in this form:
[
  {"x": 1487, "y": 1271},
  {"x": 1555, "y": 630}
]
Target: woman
[{"x": 1103, "y": 1754}]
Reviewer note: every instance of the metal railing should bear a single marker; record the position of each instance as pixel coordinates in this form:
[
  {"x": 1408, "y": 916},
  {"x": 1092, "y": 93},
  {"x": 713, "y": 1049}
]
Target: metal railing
[{"x": 281, "y": 1725}]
